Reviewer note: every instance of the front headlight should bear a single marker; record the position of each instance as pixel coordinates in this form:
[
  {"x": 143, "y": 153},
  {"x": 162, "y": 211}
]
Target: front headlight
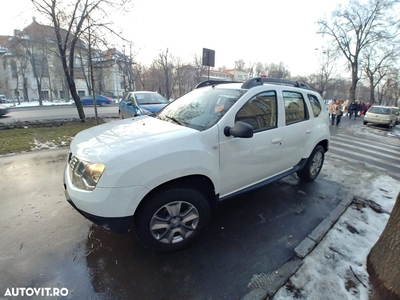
[{"x": 85, "y": 175}]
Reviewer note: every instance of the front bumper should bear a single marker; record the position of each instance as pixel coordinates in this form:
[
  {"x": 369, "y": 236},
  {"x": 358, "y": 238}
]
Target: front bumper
[
  {"x": 118, "y": 225},
  {"x": 111, "y": 208}
]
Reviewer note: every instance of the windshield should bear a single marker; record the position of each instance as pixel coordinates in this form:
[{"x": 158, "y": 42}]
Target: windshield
[
  {"x": 150, "y": 98},
  {"x": 201, "y": 108}
]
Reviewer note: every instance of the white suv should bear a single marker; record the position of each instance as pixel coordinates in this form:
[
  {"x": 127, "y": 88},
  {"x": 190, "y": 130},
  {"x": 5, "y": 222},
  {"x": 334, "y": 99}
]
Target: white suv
[{"x": 163, "y": 173}]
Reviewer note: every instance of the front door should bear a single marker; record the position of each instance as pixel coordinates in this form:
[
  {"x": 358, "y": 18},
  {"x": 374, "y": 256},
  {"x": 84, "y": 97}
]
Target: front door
[{"x": 245, "y": 161}]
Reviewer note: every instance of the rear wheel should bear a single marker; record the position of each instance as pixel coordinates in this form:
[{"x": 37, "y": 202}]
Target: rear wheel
[
  {"x": 172, "y": 218},
  {"x": 365, "y": 122},
  {"x": 313, "y": 165}
]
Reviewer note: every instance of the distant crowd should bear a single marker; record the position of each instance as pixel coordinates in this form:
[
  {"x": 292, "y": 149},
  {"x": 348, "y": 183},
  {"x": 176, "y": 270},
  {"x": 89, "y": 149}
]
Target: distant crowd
[{"x": 337, "y": 108}]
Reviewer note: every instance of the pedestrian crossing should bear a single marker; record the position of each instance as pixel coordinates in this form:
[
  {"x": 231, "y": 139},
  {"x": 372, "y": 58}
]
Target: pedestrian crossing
[{"x": 353, "y": 150}]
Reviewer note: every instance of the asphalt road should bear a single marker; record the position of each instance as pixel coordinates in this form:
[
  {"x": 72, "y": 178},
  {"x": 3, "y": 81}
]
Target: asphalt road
[
  {"x": 56, "y": 112},
  {"x": 45, "y": 243}
]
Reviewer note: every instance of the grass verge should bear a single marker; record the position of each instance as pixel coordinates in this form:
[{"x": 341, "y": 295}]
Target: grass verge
[{"x": 30, "y": 139}]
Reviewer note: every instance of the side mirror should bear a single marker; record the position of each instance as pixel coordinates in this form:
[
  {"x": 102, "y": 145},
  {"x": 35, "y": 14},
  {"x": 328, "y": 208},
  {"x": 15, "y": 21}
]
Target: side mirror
[{"x": 240, "y": 129}]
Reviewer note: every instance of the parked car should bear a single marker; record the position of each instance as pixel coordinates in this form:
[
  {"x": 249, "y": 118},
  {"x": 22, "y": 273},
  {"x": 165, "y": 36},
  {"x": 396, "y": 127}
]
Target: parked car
[
  {"x": 381, "y": 115},
  {"x": 3, "y": 110},
  {"x": 140, "y": 103},
  {"x": 100, "y": 100},
  {"x": 163, "y": 173},
  {"x": 3, "y": 98}
]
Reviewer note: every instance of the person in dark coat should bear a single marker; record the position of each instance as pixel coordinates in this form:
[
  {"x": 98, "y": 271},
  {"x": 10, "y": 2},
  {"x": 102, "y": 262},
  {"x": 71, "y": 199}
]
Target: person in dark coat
[{"x": 352, "y": 109}]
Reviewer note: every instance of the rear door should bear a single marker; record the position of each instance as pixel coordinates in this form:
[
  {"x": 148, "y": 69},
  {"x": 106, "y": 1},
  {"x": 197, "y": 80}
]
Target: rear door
[{"x": 298, "y": 128}]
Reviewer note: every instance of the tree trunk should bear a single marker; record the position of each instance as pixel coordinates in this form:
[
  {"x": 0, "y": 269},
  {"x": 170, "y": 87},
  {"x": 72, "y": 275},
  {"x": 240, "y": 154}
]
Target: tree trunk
[{"x": 383, "y": 261}]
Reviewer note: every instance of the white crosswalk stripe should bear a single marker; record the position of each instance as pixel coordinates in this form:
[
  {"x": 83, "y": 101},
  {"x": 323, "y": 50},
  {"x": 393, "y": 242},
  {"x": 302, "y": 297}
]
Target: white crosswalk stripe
[{"x": 378, "y": 154}]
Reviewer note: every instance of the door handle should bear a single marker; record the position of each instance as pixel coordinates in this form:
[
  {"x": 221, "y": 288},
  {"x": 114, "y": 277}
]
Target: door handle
[
  {"x": 276, "y": 141},
  {"x": 308, "y": 131}
]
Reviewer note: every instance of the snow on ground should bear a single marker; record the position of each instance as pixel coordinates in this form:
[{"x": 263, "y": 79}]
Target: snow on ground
[
  {"x": 36, "y": 103},
  {"x": 336, "y": 268}
]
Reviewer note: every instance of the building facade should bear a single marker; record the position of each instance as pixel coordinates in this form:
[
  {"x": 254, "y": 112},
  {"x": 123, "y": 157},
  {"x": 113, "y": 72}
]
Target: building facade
[{"x": 30, "y": 68}]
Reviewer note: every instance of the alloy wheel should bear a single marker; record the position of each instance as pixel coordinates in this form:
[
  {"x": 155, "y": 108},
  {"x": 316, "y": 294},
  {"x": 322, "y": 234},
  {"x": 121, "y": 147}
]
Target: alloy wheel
[{"x": 174, "y": 222}]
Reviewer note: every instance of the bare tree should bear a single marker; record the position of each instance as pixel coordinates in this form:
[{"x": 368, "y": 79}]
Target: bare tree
[
  {"x": 327, "y": 67},
  {"x": 199, "y": 68},
  {"x": 19, "y": 70},
  {"x": 357, "y": 26},
  {"x": 260, "y": 69},
  {"x": 383, "y": 259},
  {"x": 69, "y": 22},
  {"x": 166, "y": 67},
  {"x": 277, "y": 70},
  {"x": 377, "y": 62},
  {"x": 33, "y": 43}
]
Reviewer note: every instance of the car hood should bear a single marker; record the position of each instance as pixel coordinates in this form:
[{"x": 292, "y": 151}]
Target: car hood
[
  {"x": 107, "y": 141},
  {"x": 152, "y": 107}
]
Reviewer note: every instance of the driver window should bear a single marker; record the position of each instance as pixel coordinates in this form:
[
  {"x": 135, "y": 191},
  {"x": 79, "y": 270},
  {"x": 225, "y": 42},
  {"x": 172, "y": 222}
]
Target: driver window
[
  {"x": 260, "y": 111},
  {"x": 130, "y": 99}
]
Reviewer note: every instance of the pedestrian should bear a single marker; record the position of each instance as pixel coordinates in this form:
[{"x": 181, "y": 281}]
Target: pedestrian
[
  {"x": 362, "y": 108},
  {"x": 340, "y": 110},
  {"x": 367, "y": 106},
  {"x": 352, "y": 109},
  {"x": 333, "y": 110},
  {"x": 357, "y": 109}
]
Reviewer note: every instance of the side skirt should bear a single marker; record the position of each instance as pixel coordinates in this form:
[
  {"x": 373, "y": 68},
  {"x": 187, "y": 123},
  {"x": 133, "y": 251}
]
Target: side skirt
[{"x": 258, "y": 185}]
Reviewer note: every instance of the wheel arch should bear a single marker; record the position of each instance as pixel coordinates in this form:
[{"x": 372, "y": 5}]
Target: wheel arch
[
  {"x": 324, "y": 144},
  {"x": 200, "y": 182}
]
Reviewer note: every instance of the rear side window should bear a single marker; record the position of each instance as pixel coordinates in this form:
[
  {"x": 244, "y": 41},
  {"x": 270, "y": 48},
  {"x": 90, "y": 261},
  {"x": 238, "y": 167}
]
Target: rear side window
[
  {"x": 295, "y": 107},
  {"x": 315, "y": 105},
  {"x": 260, "y": 111}
]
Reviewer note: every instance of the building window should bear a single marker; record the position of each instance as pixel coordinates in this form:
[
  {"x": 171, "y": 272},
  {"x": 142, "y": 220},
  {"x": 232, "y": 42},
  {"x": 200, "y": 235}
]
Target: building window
[
  {"x": 81, "y": 94},
  {"x": 62, "y": 93},
  {"x": 45, "y": 95},
  {"x": 14, "y": 70}
]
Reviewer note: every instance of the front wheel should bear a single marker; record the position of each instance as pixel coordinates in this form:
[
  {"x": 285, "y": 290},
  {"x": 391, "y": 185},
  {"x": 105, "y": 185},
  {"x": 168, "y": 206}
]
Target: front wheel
[
  {"x": 120, "y": 115},
  {"x": 171, "y": 219},
  {"x": 313, "y": 165},
  {"x": 365, "y": 122}
]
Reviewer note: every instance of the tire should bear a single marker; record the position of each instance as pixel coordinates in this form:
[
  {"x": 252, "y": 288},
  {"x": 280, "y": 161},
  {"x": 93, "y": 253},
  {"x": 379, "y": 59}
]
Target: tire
[
  {"x": 365, "y": 122},
  {"x": 102, "y": 104},
  {"x": 313, "y": 165},
  {"x": 167, "y": 210},
  {"x": 120, "y": 115}
]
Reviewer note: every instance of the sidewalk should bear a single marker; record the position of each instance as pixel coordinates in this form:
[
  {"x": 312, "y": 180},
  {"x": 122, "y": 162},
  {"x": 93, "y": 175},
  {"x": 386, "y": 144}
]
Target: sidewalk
[{"x": 336, "y": 268}]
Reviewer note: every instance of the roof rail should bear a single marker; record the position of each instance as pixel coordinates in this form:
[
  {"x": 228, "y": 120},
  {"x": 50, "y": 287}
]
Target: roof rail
[
  {"x": 261, "y": 80},
  {"x": 213, "y": 82}
]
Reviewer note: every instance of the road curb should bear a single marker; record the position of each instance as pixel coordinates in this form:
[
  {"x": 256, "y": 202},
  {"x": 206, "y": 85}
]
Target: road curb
[{"x": 265, "y": 286}]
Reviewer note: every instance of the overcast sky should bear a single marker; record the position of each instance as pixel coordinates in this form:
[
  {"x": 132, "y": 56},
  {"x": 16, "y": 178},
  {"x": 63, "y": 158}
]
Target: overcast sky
[{"x": 268, "y": 31}]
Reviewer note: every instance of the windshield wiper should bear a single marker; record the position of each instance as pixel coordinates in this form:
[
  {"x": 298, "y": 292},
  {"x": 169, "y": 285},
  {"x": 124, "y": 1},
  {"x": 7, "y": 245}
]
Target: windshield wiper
[{"x": 175, "y": 120}]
